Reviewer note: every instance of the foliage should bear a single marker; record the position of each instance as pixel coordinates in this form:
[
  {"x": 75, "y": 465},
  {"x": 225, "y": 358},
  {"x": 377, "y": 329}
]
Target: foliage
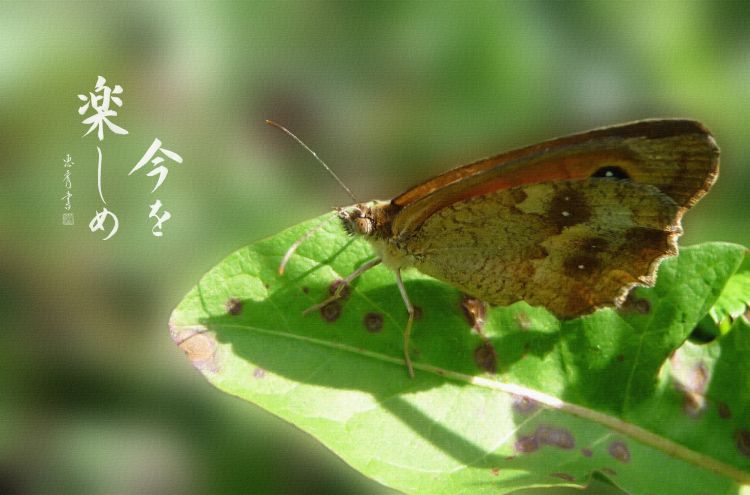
[{"x": 529, "y": 401}]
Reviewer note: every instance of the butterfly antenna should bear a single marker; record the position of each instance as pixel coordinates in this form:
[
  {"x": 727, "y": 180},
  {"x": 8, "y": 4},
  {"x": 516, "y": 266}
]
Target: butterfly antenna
[
  {"x": 315, "y": 155},
  {"x": 298, "y": 243}
]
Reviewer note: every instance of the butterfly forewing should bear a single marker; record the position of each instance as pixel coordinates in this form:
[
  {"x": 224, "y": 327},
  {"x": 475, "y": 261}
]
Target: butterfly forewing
[{"x": 679, "y": 157}]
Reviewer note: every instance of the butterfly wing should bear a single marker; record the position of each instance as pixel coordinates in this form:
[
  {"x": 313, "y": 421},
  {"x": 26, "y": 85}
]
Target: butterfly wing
[
  {"x": 679, "y": 157},
  {"x": 570, "y": 246},
  {"x": 570, "y": 224}
]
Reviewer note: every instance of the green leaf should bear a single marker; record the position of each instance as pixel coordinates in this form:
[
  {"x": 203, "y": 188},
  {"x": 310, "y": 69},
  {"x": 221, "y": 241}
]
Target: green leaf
[
  {"x": 605, "y": 394},
  {"x": 735, "y": 298},
  {"x": 732, "y": 303}
]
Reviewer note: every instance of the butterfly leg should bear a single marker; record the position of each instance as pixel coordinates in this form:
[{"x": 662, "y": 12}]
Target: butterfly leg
[
  {"x": 409, "y": 323},
  {"x": 344, "y": 283}
]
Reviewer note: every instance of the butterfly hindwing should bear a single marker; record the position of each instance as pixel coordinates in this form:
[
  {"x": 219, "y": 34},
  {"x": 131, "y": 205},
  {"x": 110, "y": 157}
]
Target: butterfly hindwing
[{"x": 570, "y": 246}]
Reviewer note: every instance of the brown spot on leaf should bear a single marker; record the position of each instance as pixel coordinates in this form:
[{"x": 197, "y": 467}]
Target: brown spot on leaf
[
  {"x": 331, "y": 311},
  {"x": 200, "y": 349},
  {"x": 619, "y": 450},
  {"x": 609, "y": 471},
  {"x": 693, "y": 404},
  {"x": 742, "y": 441},
  {"x": 524, "y": 405},
  {"x": 587, "y": 452},
  {"x": 475, "y": 311},
  {"x": 557, "y": 437},
  {"x": 563, "y": 476},
  {"x": 620, "y": 358},
  {"x": 636, "y": 305},
  {"x": 373, "y": 322},
  {"x": 526, "y": 444},
  {"x": 305, "y": 289},
  {"x": 486, "y": 357},
  {"x": 259, "y": 373},
  {"x": 417, "y": 313},
  {"x": 495, "y": 471},
  {"x": 234, "y": 306},
  {"x": 693, "y": 389},
  {"x": 724, "y": 411},
  {"x": 698, "y": 378},
  {"x": 340, "y": 285},
  {"x": 568, "y": 207}
]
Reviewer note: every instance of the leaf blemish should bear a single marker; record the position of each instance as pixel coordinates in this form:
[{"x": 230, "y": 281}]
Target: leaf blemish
[
  {"x": 417, "y": 313},
  {"x": 331, "y": 311},
  {"x": 305, "y": 289},
  {"x": 485, "y": 357},
  {"x": 495, "y": 471},
  {"x": 526, "y": 444},
  {"x": 234, "y": 306},
  {"x": 693, "y": 404},
  {"x": 619, "y": 451},
  {"x": 345, "y": 291},
  {"x": 524, "y": 405},
  {"x": 557, "y": 437},
  {"x": 259, "y": 373},
  {"x": 586, "y": 452},
  {"x": 694, "y": 400},
  {"x": 373, "y": 322},
  {"x": 724, "y": 411},
  {"x": 545, "y": 435},
  {"x": 475, "y": 311},
  {"x": 742, "y": 441},
  {"x": 200, "y": 349},
  {"x": 609, "y": 471},
  {"x": 698, "y": 378},
  {"x": 636, "y": 305}
]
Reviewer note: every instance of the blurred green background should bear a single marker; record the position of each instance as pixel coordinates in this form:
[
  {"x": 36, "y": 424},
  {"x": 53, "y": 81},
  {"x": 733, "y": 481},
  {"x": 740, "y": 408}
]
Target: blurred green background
[{"x": 95, "y": 397}]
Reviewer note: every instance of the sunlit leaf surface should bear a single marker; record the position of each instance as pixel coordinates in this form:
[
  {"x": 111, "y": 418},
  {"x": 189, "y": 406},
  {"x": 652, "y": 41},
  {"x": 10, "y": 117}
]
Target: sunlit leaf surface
[{"x": 531, "y": 401}]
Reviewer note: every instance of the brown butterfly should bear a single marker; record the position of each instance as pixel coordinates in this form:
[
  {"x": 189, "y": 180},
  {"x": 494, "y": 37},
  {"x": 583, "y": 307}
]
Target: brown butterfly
[{"x": 570, "y": 224}]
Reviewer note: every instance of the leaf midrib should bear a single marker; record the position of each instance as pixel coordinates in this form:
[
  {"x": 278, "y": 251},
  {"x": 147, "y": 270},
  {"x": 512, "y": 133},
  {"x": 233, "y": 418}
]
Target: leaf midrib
[{"x": 630, "y": 430}]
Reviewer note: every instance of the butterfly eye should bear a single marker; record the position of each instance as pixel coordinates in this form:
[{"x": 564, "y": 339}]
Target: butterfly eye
[
  {"x": 363, "y": 225},
  {"x": 611, "y": 172}
]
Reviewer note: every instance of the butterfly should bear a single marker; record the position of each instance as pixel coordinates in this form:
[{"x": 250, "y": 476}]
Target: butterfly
[{"x": 571, "y": 224}]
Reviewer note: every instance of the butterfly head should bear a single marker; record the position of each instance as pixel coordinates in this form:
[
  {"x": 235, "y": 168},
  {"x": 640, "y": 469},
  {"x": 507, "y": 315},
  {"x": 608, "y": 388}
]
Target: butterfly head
[
  {"x": 357, "y": 219},
  {"x": 371, "y": 219}
]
